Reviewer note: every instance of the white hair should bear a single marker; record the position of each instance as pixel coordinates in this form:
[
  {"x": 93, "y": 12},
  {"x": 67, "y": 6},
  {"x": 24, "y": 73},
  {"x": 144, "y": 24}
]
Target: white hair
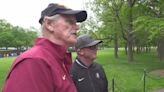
[{"x": 51, "y": 18}]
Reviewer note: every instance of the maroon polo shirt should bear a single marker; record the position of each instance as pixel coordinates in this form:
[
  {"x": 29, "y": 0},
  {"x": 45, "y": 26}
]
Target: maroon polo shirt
[{"x": 43, "y": 68}]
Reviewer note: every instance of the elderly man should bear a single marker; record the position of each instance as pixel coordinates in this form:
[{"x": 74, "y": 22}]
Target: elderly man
[
  {"x": 87, "y": 75},
  {"x": 45, "y": 67}
]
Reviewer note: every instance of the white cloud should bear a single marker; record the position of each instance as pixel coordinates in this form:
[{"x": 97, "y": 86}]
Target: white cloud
[{"x": 26, "y": 13}]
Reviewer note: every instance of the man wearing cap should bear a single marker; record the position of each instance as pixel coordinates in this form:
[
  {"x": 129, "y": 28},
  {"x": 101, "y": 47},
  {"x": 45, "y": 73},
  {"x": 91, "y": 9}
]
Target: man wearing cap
[
  {"x": 45, "y": 67},
  {"x": 87, "y": 75}
]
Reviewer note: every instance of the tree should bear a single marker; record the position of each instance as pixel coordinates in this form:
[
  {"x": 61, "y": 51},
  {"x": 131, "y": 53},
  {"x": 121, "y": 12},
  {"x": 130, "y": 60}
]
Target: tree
[
  {"x": 153, "y": 22},
  {"x": 130, "y": 19},
  {"x": 23, "y": 37},
  {"x": 5, "y": 34},
  {"x": 108, "y": 24},
  {"x": 15, "y": 36}
]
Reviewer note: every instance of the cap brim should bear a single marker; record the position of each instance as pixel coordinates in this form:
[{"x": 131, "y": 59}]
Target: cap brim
[
  {"x": 93, "y": 43},
  {"x": 80, "y": 15},
  {"x": 41, "y": 20}
]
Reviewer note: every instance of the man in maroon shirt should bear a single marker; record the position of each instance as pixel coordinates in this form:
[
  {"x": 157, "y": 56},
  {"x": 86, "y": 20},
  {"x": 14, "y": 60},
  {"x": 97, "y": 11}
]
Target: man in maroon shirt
[{"x": 45, "y": 67}]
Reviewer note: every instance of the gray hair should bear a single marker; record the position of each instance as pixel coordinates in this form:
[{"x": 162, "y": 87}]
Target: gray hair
[{"x": 51, "y": 18}]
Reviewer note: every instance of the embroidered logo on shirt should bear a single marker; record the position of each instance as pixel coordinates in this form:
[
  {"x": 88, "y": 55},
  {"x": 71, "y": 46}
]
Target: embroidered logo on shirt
[
  {"x": 97, "y": 75},
  {"x": 81, "y": 79},
  {"x": 64, "y": 77}
]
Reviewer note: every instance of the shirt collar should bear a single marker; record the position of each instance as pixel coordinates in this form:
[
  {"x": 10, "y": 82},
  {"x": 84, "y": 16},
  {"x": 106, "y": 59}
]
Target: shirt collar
[
  {"x": 79, "y": 62},
  {"x": 54, "y": 49}
]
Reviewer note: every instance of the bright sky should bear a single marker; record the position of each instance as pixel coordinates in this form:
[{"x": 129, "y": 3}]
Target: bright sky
[{"x": 26, "y": 13}]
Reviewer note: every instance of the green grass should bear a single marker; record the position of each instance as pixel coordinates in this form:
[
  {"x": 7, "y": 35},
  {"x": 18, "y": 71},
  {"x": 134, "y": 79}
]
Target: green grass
[
  {"x": 4, "y": 67},
  {"x": 128, "y": 76}
]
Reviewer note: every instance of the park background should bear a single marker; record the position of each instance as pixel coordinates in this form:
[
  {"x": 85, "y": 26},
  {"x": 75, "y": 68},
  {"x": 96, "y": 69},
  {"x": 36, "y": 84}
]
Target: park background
[{"x": 133, "y": 42}]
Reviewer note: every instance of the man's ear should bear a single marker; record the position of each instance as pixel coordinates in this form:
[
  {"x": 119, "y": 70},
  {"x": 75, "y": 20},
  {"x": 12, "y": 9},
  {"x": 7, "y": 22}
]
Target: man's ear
[
  {"x": 48, "y": 24},
  {"x": 80, "y": 51}
]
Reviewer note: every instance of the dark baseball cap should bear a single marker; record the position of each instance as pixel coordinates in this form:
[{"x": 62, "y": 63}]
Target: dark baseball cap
[
  {"x": 53, "y": 9},
  {"x": 86, "y": 41}
]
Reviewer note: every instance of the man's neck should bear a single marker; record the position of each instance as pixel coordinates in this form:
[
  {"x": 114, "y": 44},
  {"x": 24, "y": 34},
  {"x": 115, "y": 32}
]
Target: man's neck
[
  {"x": 55, "y": 40},
  {"x": 86, "y": 62}
]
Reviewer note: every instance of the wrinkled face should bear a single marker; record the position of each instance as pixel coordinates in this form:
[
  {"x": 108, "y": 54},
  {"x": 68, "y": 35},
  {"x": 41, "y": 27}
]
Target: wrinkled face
[
  {"x": 89, "y": 52},
  {"x": 65, "y": 29}
]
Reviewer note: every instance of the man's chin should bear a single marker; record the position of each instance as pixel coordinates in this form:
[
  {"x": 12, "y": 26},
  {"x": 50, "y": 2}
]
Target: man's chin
[{"x": 72, "y": 42}]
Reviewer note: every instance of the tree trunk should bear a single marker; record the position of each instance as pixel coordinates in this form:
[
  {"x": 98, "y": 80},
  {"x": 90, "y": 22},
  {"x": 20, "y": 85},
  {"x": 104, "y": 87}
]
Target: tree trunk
[
  {"x": 126, "y": 50},
  {"x": 115, "y": 46},
  {"x": 130, "y": 51},
  {"x": 129, "y": 33},
  {"x": 6, "y": 48},
  {"x": 161, "y": 49}
]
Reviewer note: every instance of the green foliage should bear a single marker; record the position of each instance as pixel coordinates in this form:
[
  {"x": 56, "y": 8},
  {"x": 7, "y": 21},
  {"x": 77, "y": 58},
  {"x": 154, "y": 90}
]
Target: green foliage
[
  {"x": 154, "y": 27},
  {"x": 6, "y": 39},
  {"x": 113, "y": 20},
  {"x": 4, "y": 25},
  {"x": 106, "y": 12},
  {"x": 15, "y": 36}
]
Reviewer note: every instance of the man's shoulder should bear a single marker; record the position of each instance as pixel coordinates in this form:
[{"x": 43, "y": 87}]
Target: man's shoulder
[
  {"x": 34, "y": 52},
  {"x": 95, "y": 64},
  {"x": 74, "y": 65}
]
